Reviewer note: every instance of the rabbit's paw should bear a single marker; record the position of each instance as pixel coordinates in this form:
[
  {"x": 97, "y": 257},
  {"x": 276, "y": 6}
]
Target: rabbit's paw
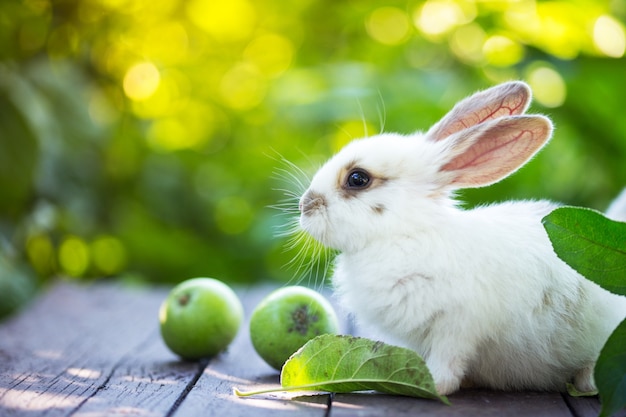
[
  {"x": 447, "y": 386},
  {"x": 583, "y": 380},
  {"x": 447, "y": 379}
]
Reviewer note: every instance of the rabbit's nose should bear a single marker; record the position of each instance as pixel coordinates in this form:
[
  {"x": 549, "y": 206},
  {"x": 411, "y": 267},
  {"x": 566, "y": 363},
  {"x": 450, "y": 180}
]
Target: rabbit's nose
[{"x": 310, "y": 201}]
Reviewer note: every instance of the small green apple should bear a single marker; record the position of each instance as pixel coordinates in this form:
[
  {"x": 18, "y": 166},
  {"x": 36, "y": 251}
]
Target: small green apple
[
  {"x": 199, "y": 318},
  {"x": 288, "y": 318}
]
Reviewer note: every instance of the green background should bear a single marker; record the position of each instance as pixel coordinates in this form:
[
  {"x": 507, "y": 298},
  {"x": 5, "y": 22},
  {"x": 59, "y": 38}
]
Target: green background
[{"x": 145, "y": 139}]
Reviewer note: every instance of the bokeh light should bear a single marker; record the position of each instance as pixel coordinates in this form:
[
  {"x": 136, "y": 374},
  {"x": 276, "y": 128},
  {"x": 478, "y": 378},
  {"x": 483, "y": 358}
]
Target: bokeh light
[
  {"x": 438, "y": 17},
  {"x": 502, "y": 51},
  {"x": 243, "y": 87},
  {"x": 388, "y": 25},
  {"x": 141, "y": 81},
  {"x": 548, "y": 86},
  {"x": 467, "y": 43},
  {"x": 74, "y": 256},
  {"x": 608, "y": 36},
  {"x": 225, "y": 21},
  {"x": 272, "y": 54},
  {"x": 192, "y": 127},
  {"x": 108, "y": 255},
  {"x": 41, "y": 253}
]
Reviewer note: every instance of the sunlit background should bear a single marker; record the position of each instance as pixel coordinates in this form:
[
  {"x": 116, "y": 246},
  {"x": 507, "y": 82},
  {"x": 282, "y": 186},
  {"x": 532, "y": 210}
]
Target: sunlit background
[{"x": 140, "y": 139}]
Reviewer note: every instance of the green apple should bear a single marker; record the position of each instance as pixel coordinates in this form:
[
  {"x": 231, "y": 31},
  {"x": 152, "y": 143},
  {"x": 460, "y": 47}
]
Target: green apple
[
  {"x": 288, "y": 318},
  {"x": 199, "y": 318}
]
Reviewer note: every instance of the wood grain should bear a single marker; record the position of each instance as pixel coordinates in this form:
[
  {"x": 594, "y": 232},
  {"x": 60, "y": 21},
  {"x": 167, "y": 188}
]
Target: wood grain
[
  {"x": 464, "y": 403},
  {"x": 70, "y": 351}
]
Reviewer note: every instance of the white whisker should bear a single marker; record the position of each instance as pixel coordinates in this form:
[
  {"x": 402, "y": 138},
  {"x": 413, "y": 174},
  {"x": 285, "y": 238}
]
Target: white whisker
[
  {"x": 363, "y": 119},
  {"x": 311, "y": 261},
  {"x": 382, "y": 113}
]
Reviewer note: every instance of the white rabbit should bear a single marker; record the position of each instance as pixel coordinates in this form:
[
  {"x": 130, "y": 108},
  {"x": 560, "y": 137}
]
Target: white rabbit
[{"x": 478, "y": 293}]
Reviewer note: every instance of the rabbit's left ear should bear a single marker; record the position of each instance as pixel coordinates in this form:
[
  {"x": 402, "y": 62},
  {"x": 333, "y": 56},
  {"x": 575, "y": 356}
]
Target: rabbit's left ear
[
  {"x": 488, "y": 152},
  {"x": 507, "y": 99}
]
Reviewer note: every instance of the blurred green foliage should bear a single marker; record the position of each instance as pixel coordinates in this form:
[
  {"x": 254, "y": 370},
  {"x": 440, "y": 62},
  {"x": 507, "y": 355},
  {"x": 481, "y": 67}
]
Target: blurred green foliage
[{"x": 140, "y": 138}]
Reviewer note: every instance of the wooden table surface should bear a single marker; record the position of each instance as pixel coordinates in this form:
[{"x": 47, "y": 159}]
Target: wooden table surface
[{"x": 96, "y": 351}]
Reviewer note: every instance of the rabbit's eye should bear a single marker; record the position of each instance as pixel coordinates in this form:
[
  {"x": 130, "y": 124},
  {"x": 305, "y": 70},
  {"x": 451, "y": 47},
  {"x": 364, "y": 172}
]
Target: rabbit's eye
[{"x": 358, "y": 179}]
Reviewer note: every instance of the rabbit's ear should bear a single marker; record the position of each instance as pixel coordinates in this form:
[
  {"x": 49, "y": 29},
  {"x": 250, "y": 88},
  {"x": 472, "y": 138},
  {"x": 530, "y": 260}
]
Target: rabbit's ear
[
  {"x": 486, "y": 153},
  {"x": 507, "y": 99}
]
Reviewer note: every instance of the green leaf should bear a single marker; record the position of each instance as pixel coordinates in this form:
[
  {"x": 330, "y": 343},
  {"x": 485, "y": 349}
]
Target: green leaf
[
  {"x": 610, "y": 372},
  {"x": 592, "y": 244},
  {"x": 342, "y": 364}
]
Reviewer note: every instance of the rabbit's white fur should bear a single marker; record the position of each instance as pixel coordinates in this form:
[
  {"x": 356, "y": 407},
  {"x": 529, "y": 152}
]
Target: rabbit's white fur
[
  {"x": 478, "y": 293},
  {"x": 617, "y": 210}
]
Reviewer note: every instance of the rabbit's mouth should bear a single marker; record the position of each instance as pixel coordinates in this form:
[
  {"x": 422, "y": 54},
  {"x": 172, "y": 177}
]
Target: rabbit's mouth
[{"x": 313, "y": 212}]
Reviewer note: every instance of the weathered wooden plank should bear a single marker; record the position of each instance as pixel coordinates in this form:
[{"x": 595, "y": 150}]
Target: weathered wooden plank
[
  {"x": 73, "y": 347},
  {"x": 468, "y": 402},
  {"x": 47, "y": 366},
  {"x": 587, "y": 406},
  {"x": 146, "y": 382}
]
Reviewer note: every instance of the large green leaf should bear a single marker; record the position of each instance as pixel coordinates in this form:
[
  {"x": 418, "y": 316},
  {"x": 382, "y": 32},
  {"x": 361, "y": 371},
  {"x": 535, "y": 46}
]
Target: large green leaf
[
  {"x": 341, "y": 364},
  {"x": 592, "y": 244},
  {"x": 610, "y": 372}
]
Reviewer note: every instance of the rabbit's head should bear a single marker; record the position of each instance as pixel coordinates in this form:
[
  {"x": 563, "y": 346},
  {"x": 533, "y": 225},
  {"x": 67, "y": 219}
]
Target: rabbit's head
[{"x": 391, "y": 184}]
